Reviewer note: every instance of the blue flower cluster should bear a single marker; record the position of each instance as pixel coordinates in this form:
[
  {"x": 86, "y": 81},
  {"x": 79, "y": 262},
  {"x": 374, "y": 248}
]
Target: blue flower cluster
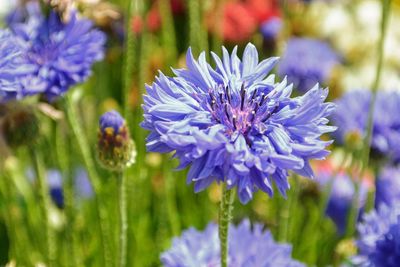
[
  {"x": 51, "y": 55},
  {"x": 388, "y": 186},
  {"x": 352, "y": 114},
  {"x": 379, "y": 242},
  {"x": 233, "y": 124},
  {"x": 342, "y": 190},
  {"x": 307, "y": 62},
  {"x": 247, "y": 248}
]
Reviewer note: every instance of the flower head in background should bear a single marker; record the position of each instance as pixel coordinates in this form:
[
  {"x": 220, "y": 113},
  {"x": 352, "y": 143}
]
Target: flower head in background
[
  {"x": 83, "y": 187},
  {"x": 236, "y": 25},
  {"x": 115, "y": 148},
  {"x": 13, "y": 65},
  {"x": 342, "y": 191},
  {"x": 20, "y": 124},
  {"x": 263, "y": 10},
  {"x": 61, "y": 54},
  {"x": 55, "y": 181},
  {"x": 379, "y": 241},
  {"x": 388, "y": 187},
  {"x": 352, "y": 114},
  {"x": 271, "y": 28},
  {"x": 247, "y": 248},
  {"x": 233, "y": 124},
  {"x": 307, "y": 62}
]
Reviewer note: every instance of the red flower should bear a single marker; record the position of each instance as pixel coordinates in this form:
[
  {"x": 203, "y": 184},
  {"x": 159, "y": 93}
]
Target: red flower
[
  {"x": 263, "y": 10},
  {"x": 237, "y": 23}
]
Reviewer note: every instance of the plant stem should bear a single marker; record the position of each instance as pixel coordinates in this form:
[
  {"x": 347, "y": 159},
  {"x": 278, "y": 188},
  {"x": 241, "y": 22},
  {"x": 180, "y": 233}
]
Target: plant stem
[
  {"x": 225, "y": 216},
  {"x": 83, "y": 145},
  {"x": 386, "y": 4},
  {"x": 197, "y": 38},
  {"x": 170, "y": 198},
  {"x": 123, "y": 220},
  {"x": 45, "y": 205},
  {"x": 168, "y": 31},
  {"x": 68, "y": 190},
  {"x": 129, "y": 56}
]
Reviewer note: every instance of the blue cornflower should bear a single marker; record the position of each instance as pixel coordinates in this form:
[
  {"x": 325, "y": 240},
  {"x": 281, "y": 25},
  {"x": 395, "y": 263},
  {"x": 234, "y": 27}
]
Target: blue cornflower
[
  {"x": 271, "y": 28},
  {"x": 82, "y": 184},
  {"x": 379, "y": 241},
  {"x": 55, "y": 181},
  {"x": 233, "y": 124},
  {"x": 388, "y": 186},
  {"x": 352, "y": 114},
  {"x": 62, "y": 53},
  {"x": 247, "y": 248},
  {"x": 342, "y": 191},
  {"x": 13, "y": 65},
  {"x": 307, "y": 62}
]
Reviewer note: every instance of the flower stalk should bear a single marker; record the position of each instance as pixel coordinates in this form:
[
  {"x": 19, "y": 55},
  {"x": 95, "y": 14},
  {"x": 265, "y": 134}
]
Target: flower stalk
[
  {"x": 93, "y": 176},
  {"x": 225, "y": 216},
  {"x": 45, "y": 205},
  {"x": 353, "y": 215},
  {"x": 123, "y": 216}
]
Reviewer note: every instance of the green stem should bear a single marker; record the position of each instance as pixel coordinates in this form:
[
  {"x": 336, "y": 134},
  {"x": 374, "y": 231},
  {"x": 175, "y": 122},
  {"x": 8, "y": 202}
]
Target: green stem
[
  {"x": 68, "y": 189},
  {"x": 123, "y": 220},
  {"x": 386, "y": 4},
  {"x": 7, "y": 200},
  {"x": 225, "y": 216},
  {"x": 129, "y": 57},
  {"x": 170, "y": 196},
  {"x": 168, "y": 31},
  {"x": 197, "y": 38},
  {"x": 83, "y": 145},
  {"x": 45, "y": 205},
  {"x": 286, "y": 211}
]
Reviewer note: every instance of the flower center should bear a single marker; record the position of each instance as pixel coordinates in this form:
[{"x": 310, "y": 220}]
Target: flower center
[{"x": 241, "y": 110}]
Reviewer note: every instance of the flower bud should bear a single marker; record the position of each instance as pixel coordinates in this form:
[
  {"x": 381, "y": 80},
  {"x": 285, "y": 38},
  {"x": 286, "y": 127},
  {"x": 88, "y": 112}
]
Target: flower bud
[
  {"x": 116, "y": 149},
  {"x": 20, "y": 126}
]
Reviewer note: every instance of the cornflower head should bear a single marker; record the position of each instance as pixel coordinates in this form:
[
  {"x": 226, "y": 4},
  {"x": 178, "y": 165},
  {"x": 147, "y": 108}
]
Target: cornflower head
[
  {"x": 60, "y": 54},
  {"x": 352, "y": 114},
  {"x": 307, "y": 62},
  {"x": 115, "y": 148},
  {"x": 379, "y": 238},
  {"x": 233, "y": 124},
  {"x": 13, "y": 64},
  {"x": 388, "y": 186},
  {"x": 248, "y": 248}
]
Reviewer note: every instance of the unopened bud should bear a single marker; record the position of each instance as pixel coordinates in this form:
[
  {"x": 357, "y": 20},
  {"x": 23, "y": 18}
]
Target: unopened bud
[
  {"x": 20, "y": 126},
  {"x": 116, "y": 149}
]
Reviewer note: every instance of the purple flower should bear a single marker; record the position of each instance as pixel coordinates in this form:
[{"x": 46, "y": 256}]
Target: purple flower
[
  {"x": 388, "y": 187},
  {"x": 233, "y": 124},
  {"x": 352, "y": 114},
  {"x": 271, "y": 28},
  {"x": 307, "y": 62},
  {"x": 247, "y": 248},
  {"x": 379, "y": 241},
  {"x": 62, "y": 53},
  {"x": 55, "y": 181},
  {"x": 13, "y": 65},
  {"x": 342, "y": 191},
  {"x": 82, "y": 184}
]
